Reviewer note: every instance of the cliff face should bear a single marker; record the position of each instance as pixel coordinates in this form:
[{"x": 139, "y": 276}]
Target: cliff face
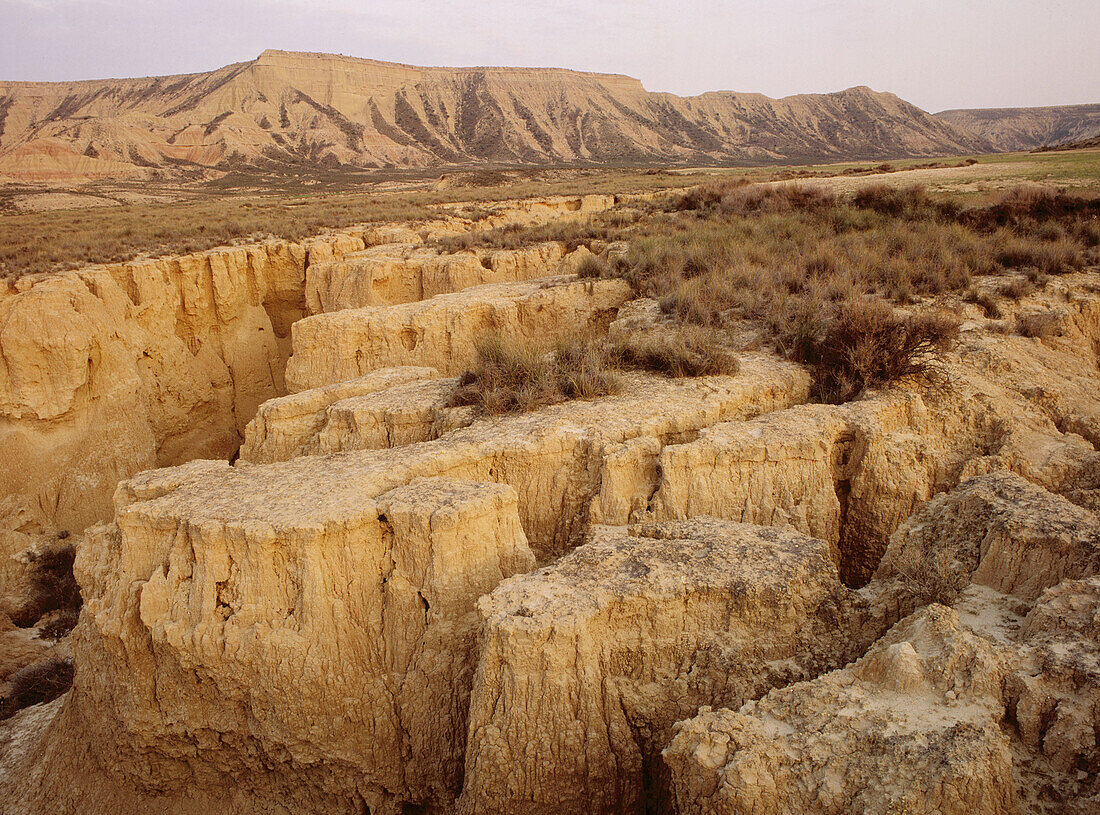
[
  {"x": 1028, "y": 128},
  {"x": 325, "y": 110}
]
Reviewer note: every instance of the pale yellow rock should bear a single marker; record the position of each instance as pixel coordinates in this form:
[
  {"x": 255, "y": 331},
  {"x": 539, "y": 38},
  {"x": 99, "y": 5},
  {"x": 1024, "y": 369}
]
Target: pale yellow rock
[
  {"x": 405, "y": 414},
  {"x": 1054, "y": 700},
  {"x": 113, "y": 369},
  {"x": 996, "y": 530},
  {"x": 402, "y": 273},
  {"x": 911, "y": 727},
  {"x": 585, "y": 665},
  {"x": 553, "y": 457},
  {"x": 441, "y": 332},
  {"x": 286, "y": 427},
  {"x": 336, "y": 643}
]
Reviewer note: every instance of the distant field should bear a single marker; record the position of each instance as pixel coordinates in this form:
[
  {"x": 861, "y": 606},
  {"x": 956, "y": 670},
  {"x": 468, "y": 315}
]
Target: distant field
[{"x": 242, "y": 208}]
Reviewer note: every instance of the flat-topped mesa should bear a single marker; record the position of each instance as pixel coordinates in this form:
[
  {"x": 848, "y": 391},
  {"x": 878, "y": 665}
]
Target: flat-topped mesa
[
  {"x": 332, "y": 643},
  {"x": 405, "y": 273},
  {"x": 585, "y": 665},
  {"x": 442, "y": 332},
  {"x": 913, "y": 726}
]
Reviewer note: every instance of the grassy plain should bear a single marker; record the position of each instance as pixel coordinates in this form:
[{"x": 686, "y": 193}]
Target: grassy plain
[{"x": 238, "y": 207}]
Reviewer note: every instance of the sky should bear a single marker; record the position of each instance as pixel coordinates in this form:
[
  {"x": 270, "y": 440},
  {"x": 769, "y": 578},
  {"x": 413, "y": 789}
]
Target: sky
[{"x": 938, "y": 54}]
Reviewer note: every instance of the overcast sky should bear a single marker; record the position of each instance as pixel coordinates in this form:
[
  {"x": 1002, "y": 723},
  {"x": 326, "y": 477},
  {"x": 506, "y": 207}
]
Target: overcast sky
[{"x": 936, "y": 53}]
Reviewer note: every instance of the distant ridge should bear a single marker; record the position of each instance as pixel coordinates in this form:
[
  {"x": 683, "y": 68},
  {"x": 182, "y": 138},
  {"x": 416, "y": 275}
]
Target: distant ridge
[
  {"x": 290, "y": 109},
  {"x": 1010, "y": 129}
]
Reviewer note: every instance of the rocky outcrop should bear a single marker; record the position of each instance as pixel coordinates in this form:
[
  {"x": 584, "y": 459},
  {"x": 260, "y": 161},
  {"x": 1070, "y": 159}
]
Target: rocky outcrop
[
  {"x": 406, "y": 273},
  {"x": 570, "y": 464},
  {"x": 998, "y": 531},
  {"x": 1053, "y": 700},
  {"x": 111, "y": 370},
  {"x": 624, "y": 636},
  {"x": 333, "y": 646},
  {"x": 287, "y": 426},
  {"x": 910, "y": 727},
  {"x": 442, "y": 332}
]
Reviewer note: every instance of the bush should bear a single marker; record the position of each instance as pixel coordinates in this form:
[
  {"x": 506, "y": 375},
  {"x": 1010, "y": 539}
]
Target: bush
[
  {"x": 513, "y": 378},
  {"x": 592, "y": 266},
  {"x": 52, "y": 584},
  {"x": 36, "y": 683},
  {"x": 1039, "y": 324},
  {"x": 689, "y": 351},
  {"x": 865, "y": 344},
  {"x": 911, "y": 203},
  {"x": 986, "y": 301}
]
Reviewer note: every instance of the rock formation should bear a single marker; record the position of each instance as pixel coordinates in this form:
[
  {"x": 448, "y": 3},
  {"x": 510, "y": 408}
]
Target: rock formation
[
  {"x": 110, "y": 370},
  {"x": 327, "y": 110},
  {"x": 694, "y": 595},
  {"x": 1011, "y": 129},
  {"x": 623, "y": 637},
  {"x": 442, "y": 332}
]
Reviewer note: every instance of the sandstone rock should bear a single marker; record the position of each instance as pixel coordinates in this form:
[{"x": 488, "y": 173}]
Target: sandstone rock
[
  {"x": 390, "y": 275},
  {"x": 585, "y": 665},
  {"x": 441, "y": 332},
  {"x": 555, "y": 457},
  {"x": 1054, "y": 700},
  {"x": 996, "y": 530},
  {"x": 286, "y": 426},
  {"x": 334, "y": 643},
  {"x": 406, "y": 414},
  {"x": 911, "y": 727},
  {"x": 114, "y": 369}
]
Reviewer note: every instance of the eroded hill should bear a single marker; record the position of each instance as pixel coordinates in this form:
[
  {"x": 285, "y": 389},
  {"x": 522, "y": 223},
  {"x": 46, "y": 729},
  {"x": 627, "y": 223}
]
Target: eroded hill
[
  {"x": 1009, "y": 129},
  {"x": 318, "y": 110}
]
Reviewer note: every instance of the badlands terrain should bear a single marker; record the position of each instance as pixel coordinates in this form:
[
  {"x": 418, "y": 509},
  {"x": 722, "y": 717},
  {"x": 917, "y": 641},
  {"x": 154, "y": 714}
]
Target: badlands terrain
[{"x": 701, "y": 495}]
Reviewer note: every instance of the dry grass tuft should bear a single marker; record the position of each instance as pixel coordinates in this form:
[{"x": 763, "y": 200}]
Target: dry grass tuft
[
  {"x": 986, "y": 301},
  {"x": 593, "y": 266},
  {"x": 53, "y": 588},
  {"x": 36, "y": 683},
  {"x": 510, "y": 377},
  {"x": 689, "y": 351},
  {"x": 1039, "y": 324}
]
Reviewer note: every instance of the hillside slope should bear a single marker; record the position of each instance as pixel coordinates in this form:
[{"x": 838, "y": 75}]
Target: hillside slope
[
  {"x": 323, "y": 110},
  {"x": 1010, "y": 129}
]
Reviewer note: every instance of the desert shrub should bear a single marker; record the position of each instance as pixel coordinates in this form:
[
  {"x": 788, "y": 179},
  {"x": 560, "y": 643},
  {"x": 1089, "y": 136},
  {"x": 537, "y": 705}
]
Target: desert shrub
[
  {"x": 776, "y": 199},
  {"x": 52, "y": 586},
  {"x": 1021, "y": 204},
  {"x": 709, "y": 195},
  {"x": 58, "y": 624},
  {"x": 1039, "y": 324},
  {"x": 592, "y": 266},
  {"x": 688, "y": 351},
  {"x": 1053, "y": 258},
  {"x": 511, "y": 377},
  {"x": 894, "y": 201},
  {"x": 573, "y": 233},
  {"x": 932, "y": 577},
  {"x": 36, "y": 683},
  {"x": 862, "y": 344}
]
